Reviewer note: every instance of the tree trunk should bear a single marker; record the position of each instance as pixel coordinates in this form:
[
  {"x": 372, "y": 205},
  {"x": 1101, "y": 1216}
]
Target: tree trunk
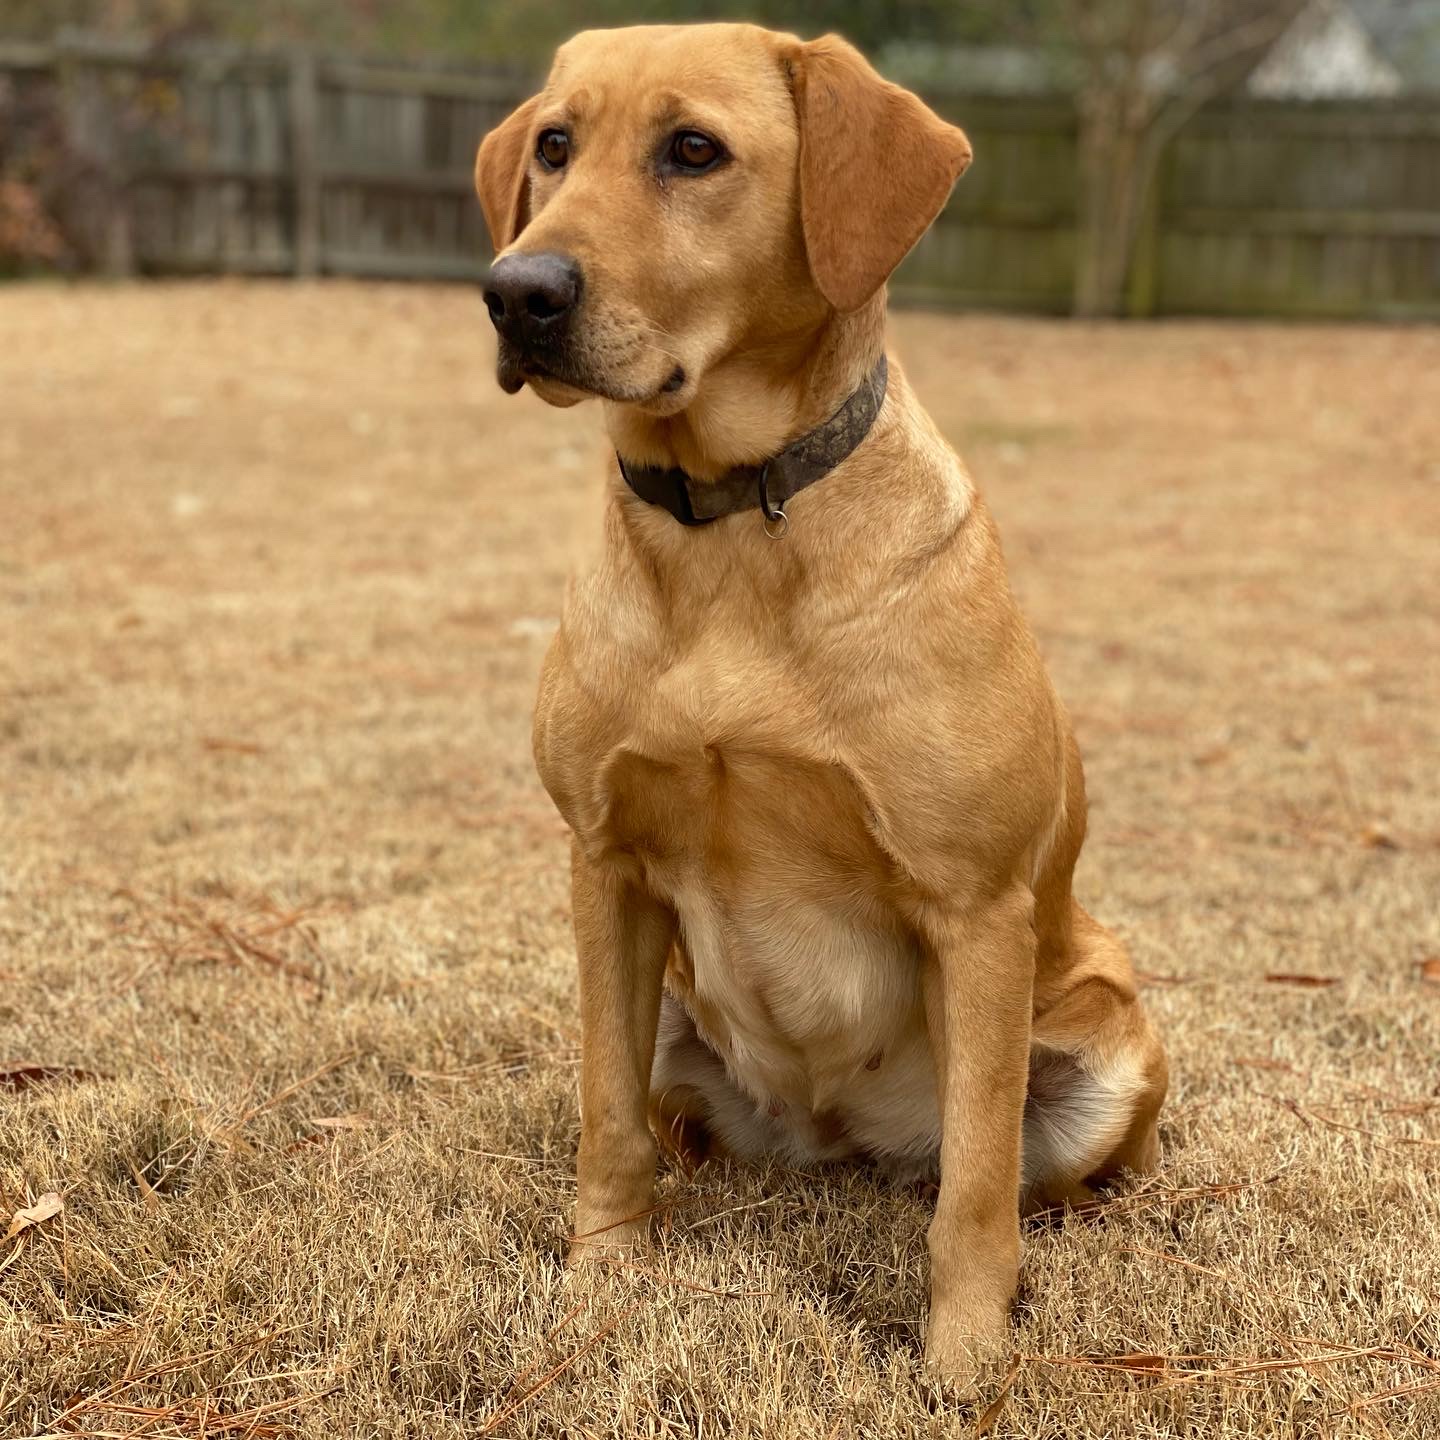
[{"x": 1115, "y": 174}]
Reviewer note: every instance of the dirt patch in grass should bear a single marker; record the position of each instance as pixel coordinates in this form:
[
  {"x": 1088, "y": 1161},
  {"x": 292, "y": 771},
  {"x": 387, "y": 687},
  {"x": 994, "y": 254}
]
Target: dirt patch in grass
[{"x": 287, "y": 1010}]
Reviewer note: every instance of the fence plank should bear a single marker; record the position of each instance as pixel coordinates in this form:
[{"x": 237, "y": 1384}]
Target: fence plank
[{"x": 305, "y": 161}]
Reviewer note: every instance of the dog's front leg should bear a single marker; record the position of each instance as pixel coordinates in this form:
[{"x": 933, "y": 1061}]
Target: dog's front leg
[
  {"x": 978, "y": 982},
  {"x": 622, "y": 939}
]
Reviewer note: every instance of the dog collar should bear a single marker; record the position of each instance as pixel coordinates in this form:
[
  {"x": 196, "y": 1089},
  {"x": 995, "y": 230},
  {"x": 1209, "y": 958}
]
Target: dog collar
[{"x": 769, "y": 485}]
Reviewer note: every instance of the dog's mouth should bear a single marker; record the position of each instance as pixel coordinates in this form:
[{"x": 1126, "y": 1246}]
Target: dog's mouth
[
  {"x": 514, "y": 369},
  {"x": 558, "y": 380},
  {"x": 551, "y": 381}
]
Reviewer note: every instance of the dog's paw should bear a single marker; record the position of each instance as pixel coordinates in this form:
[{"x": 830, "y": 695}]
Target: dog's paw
[
  {"x": 599, "y": 1275},
  {"x": 966, "y": 1354},
  {"x": 607, "y": 1247},
  {"x": 584, "y": 1255}
]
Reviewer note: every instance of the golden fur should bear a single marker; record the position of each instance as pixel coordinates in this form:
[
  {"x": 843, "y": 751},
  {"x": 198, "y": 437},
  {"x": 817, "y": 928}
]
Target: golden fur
[{"x": 821, "y": 790}]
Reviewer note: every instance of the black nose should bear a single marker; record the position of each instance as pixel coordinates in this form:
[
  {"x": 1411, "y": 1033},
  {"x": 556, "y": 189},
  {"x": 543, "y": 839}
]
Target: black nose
[{"x": 530, "y": 297}]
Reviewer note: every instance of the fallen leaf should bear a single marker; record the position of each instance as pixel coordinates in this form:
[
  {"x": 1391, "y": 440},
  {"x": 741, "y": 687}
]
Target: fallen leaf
[
  {"x": 16, "y": 1075},
  {"x": 1430, "y": 970},
  {"x": 304, "y": 1141},
  {"x": 148, "y": 1198},
  {"x": 45, "y": 1208},
  {"x": 991, "y": 1413},
  {"x": 1281, "y": 978},
  {"x": 1376, "y": 837},
  {"x": 1153, "y": 1363},
  {"x": 1149, "y": 977},
  {"x": 234, "y": 747}
]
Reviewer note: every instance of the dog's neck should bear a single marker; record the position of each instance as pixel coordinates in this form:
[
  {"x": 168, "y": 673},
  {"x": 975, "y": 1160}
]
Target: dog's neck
[{"x": 760, "y": 399}]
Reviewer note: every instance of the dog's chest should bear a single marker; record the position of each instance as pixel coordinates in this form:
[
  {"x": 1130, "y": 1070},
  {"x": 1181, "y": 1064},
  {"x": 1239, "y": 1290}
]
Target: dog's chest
[
  {"x": 715, "y": 767},
  {"x": 669, "y": 754},
  {"x": 719, "y": 779}
]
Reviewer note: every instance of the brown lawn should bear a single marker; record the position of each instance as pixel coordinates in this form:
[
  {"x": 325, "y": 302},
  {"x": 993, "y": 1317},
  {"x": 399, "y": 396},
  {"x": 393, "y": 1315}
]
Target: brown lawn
[{"x": 279, "y": 886}]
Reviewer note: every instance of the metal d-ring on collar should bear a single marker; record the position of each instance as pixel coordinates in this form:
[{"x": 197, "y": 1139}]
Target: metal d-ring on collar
[
  {"x": 775, "y": 482},
  {"x": 770, "y": 514}
]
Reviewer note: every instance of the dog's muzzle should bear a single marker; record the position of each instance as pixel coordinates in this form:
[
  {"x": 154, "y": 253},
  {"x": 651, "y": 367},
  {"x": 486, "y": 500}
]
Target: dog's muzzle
[{"x": 532, "y": 300}]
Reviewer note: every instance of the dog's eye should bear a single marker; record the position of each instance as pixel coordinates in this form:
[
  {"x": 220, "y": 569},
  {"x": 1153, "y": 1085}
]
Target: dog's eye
[
  {"x": 553, "y": 149},
  {"x": 690, "y": 150}
]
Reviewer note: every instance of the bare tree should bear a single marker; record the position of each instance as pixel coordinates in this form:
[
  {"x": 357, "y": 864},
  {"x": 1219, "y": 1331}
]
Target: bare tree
[{"x": 1145, "y": 67}]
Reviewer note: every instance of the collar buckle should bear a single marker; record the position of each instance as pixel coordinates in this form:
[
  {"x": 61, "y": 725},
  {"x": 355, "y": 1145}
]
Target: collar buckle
[{"x": 665, "y": 488}]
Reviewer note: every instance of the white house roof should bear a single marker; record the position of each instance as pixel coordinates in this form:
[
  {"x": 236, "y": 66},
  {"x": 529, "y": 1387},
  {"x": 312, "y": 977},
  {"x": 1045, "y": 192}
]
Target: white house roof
[{"x": 1327, "y": 53}]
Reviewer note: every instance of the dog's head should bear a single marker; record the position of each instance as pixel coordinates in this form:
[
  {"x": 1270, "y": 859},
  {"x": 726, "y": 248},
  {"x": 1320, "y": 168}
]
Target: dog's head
[{"x": 678, "y": 195}]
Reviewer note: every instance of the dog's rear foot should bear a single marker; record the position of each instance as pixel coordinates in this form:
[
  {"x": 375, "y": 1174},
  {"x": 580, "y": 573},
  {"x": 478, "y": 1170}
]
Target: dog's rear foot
[{"x": 677, "y": 1116}]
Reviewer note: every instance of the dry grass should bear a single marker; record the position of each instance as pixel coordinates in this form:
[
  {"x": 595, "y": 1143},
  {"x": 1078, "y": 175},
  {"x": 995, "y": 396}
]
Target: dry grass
[{"x": 287, "y": 1012}]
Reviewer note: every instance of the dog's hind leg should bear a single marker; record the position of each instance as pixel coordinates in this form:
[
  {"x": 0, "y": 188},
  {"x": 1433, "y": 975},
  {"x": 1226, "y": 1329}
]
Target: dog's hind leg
[{"x": 1097, "y": 1074}]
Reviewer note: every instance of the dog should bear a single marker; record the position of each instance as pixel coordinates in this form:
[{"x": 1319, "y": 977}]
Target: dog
[{"x": 825, "y": 804}]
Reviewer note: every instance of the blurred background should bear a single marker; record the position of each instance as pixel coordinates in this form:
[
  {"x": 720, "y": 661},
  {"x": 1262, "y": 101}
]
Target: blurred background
[{"x": 1134, "y": 157}]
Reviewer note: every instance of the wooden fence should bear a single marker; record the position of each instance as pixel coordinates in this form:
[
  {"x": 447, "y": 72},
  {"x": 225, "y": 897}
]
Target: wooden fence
[
  {"x": 1262, "y": 208},
  {"x": 231, "y": 161},
  {"x": 241, "y": 162}
]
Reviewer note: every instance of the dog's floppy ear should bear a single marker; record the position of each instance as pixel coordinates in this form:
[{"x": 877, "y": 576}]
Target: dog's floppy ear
[
  {"x": 876, "y": 166},
  {"x": 502, "y": 175}
]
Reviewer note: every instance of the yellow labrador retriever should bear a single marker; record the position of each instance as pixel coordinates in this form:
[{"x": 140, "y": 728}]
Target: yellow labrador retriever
[{"x": 825, "y": 802}]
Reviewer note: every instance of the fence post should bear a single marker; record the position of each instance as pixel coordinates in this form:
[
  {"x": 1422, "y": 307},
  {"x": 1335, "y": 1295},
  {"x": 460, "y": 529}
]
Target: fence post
[
  {"x": 94, "y": 129},
  {"x": 305, "y": 160}
]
